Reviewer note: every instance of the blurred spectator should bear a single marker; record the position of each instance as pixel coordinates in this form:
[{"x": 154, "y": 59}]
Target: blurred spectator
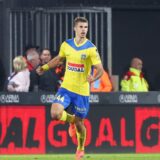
[
  {"x": 32, "y": 57},
  {"x": 45, "y": 56},
  {"x": 33, "y": 60},
  {"x": 134, "y": 79},
  {"x": 49, "y": 81},
  {"x": 103, "y": 84},
  {"x": 19, "y": 80}
]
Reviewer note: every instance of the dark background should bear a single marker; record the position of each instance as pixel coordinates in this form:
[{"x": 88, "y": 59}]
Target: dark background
[{"x": 135, "y": 32}]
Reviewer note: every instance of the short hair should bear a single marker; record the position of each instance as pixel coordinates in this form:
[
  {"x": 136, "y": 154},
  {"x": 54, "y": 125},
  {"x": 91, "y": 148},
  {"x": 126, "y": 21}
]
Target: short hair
[
  {"x": 79, "y": 19},
  {"x": 32, "y": 54},
  {"x": 45, "y": 49},
  {"x": 19, "y": 63}
]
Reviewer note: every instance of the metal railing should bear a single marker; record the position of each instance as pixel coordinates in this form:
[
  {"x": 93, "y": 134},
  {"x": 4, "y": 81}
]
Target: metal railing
[{"x": 47, "y": 28}]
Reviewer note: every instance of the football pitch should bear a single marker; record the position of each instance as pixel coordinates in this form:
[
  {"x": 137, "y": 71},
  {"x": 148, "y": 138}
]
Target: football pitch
[{"x": 87, "y": 157}]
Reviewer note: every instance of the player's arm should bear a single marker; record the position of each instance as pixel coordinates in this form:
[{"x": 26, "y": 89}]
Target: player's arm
[
  {"x": 54, "y": 62},
  {"x": 99, "y": 73},
  {"x": 51, "y": 64},
  {"x": 97, "y": 64}
]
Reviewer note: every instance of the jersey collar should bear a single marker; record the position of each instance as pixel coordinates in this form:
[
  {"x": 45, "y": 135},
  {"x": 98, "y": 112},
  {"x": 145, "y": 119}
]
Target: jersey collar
[{"x": 81, "y": 44}]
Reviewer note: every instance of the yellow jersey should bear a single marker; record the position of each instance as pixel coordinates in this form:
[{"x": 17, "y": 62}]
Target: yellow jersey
[{"x": 79, "y": 59}]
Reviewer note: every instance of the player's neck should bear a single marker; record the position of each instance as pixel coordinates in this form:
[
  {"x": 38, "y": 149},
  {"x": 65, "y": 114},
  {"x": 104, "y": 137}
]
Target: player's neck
[{"x": 79, "y": 40}]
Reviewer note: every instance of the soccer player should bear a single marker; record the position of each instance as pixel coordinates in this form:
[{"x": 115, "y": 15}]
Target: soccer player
[{"x": 80, "y": 55}]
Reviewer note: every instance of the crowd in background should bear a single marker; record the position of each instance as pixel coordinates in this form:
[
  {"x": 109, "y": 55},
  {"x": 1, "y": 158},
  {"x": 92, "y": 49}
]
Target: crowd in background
[{"x": 25, "y": 79}]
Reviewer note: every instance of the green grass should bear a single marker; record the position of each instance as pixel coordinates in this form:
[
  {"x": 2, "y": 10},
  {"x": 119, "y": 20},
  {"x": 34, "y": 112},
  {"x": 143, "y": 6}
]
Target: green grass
[{"x": 87, "y": 157}]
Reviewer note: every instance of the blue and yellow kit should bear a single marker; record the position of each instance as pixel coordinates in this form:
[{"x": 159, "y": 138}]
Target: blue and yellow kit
[{"x": 79, "y": 59}]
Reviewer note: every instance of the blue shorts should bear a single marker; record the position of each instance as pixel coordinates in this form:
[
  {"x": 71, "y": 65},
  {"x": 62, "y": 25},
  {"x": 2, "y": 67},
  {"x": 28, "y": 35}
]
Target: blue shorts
[{"x": 79, "y": 103}]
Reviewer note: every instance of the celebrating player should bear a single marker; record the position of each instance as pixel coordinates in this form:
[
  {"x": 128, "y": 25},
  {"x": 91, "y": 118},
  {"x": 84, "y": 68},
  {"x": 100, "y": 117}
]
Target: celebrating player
[{"x": 80, "y": 55}]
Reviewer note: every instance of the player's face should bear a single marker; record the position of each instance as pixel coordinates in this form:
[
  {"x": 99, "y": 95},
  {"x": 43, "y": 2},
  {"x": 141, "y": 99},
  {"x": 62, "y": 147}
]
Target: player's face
[{"x": 81, "y": 29}]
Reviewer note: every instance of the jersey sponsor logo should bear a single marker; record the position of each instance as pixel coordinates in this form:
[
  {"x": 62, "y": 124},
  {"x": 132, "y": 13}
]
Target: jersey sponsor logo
[{"x": 76, "y": 67}]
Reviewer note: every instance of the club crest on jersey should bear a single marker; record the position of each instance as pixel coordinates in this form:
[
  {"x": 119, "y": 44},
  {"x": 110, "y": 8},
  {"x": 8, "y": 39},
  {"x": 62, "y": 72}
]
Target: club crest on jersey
[
  {"x": 83, "y": 56},
  {"x": 75, "y": 67}
]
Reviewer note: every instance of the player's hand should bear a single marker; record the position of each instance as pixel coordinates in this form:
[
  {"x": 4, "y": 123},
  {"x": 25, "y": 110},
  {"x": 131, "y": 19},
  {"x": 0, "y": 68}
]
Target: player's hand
[
  {"x": 39, "y": 70},
  {"x": 90, "y": 78}
]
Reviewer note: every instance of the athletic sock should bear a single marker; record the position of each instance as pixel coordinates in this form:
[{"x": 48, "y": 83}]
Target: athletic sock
[
  {"x": 67, "y": 117},
  {"x": 81, "y": 137}
]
